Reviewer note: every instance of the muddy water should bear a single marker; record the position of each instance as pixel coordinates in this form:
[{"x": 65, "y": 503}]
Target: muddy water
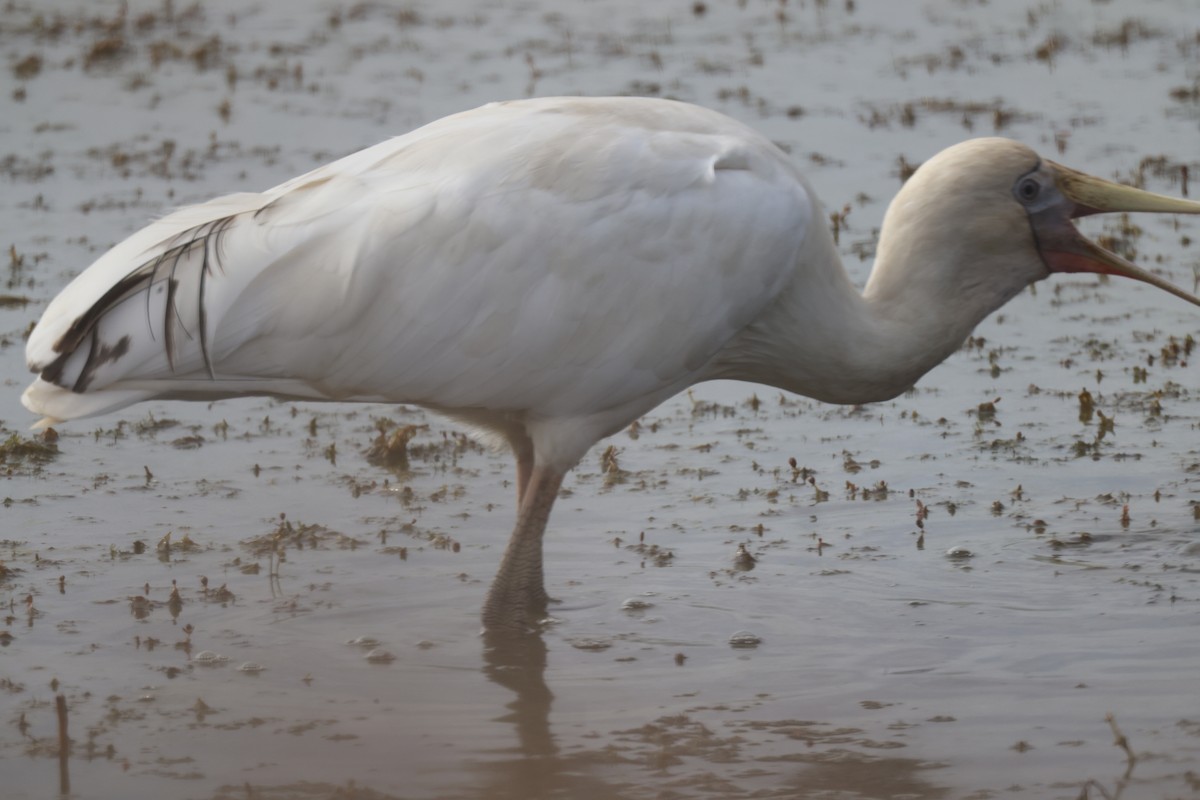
[{"x": 969, "y": 650}]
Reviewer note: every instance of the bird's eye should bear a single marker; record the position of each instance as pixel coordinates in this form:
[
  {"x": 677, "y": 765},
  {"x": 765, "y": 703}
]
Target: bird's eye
[{"x": 1028, "y": 190}]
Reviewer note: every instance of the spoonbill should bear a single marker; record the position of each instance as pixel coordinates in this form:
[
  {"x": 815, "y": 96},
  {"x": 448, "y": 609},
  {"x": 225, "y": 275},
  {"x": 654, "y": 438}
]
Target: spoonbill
[{"x": 546, "y": 271}]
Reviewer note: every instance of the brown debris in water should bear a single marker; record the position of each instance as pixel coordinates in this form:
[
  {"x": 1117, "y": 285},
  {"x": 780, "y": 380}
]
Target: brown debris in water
[
  {"x": 392, "y": 451},
  {"x": 299, "y": 536},
  {"x": 30, "y": 453},
  {"x": 1086, "y": 406}
]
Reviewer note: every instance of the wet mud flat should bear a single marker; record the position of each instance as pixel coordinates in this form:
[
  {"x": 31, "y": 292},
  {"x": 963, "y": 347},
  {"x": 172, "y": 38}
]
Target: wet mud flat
[{"x": 943, "y": 596}]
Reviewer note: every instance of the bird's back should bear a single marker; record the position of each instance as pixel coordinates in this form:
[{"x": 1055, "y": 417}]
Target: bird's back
[{"x": 553, "y": 257}]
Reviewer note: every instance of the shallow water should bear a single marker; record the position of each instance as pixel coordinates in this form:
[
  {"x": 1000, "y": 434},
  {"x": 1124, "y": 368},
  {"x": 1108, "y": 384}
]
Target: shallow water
[{"x": 1054, "y": 580}]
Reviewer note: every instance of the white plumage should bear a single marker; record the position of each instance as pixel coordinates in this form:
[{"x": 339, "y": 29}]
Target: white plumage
[{"x": 549, "y": 270}]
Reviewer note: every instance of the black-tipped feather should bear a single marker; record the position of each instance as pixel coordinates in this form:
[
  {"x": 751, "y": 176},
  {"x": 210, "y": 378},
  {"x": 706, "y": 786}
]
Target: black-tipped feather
[{"x": 142, "y": 279}]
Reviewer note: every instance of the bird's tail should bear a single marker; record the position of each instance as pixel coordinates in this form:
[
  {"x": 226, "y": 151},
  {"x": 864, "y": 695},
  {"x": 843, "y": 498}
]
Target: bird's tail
[{"x": 138, "y": 320}]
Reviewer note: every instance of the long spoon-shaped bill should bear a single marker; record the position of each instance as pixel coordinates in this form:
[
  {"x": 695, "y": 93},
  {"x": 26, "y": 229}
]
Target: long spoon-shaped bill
[{"x": 1066, "y": 250}]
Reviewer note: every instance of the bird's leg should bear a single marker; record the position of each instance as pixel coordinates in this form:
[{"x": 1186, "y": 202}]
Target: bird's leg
[
  {"x": 518, "y": 596},
  {"x": 523, "y": 450}
]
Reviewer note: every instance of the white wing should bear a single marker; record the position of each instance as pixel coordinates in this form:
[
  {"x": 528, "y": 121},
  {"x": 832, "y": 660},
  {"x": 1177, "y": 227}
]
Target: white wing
[{"x": 552, "y": 257}]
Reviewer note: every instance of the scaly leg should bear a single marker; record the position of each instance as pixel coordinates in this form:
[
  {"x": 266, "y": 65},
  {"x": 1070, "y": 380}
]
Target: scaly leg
[{"x": 518, "y": 596}]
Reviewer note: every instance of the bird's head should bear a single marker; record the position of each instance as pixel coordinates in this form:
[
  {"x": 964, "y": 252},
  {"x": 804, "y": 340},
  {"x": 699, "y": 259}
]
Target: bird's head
[
  {"x": 1053, "y": 195},
  {"x": 1003, "y": 214}
]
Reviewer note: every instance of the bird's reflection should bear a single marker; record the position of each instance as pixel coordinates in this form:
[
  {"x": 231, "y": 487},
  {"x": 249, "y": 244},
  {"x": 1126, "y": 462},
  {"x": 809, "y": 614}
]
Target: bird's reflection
[{"x": 517, "y": 661}]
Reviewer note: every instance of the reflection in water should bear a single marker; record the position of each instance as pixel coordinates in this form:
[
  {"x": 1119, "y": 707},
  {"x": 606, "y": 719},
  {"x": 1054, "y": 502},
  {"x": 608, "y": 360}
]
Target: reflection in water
[
  {"x": 517, "y": 662},
  {"x": 539, "y": 770},
  {"x": 64, "y": 747},
  {"x": 867, "y": 776}
]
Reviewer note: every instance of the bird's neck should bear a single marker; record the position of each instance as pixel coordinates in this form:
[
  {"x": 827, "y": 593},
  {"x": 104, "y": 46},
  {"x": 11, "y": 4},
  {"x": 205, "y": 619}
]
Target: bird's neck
[{"x": 823, "y": 339}]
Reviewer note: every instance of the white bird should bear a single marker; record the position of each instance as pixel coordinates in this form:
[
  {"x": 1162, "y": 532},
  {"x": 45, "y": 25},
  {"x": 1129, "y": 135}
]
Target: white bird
[{"x": 547, "y": 271}]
